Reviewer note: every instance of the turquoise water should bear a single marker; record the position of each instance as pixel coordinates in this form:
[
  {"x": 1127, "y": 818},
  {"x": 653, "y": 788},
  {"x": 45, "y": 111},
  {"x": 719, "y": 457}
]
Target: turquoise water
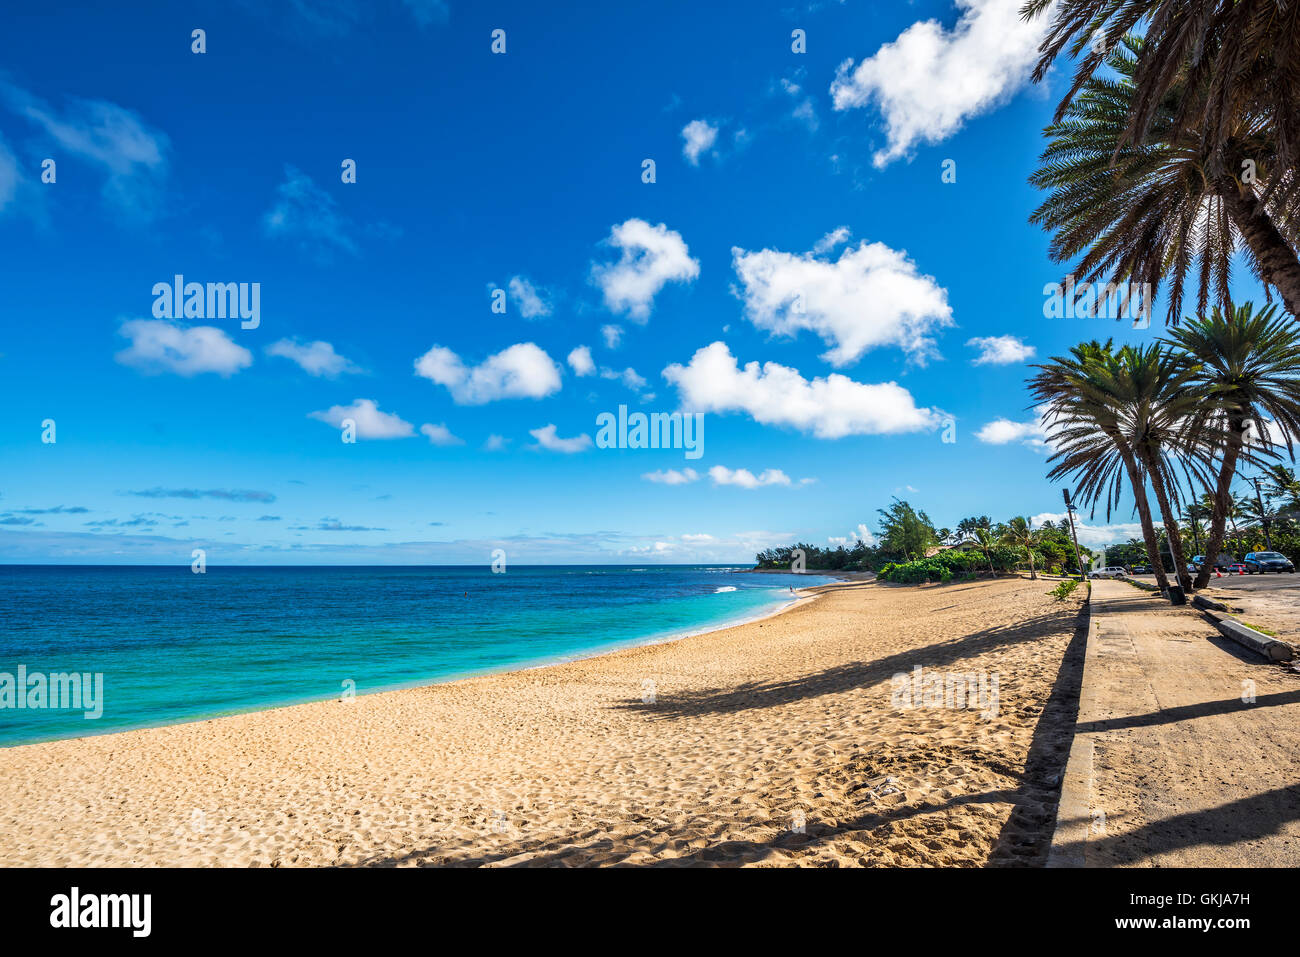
[{"x": 175, "y": 646}]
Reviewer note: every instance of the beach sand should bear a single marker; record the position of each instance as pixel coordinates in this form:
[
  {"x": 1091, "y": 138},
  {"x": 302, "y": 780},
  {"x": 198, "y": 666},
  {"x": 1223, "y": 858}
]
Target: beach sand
[{"x": 749, "y": 731}]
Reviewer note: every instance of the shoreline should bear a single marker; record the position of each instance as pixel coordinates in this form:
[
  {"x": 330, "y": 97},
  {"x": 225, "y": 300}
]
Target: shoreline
[
  {"x": 774, "y": 743},
  {"x": 803, "y": 595}
]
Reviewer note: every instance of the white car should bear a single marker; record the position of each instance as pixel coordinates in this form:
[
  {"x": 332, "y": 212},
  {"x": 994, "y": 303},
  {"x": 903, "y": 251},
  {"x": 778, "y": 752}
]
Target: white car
[{"x": 1110, "y": 571}]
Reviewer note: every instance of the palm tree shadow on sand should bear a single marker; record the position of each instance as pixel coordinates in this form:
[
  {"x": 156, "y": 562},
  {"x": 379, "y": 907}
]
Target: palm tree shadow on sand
[{"x": 1023, "y": 840}]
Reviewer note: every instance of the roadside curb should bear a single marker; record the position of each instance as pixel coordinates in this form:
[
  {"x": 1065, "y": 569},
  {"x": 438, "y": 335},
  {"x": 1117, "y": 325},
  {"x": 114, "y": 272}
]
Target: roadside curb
[
  {"x": 1261, "y": 644},
  {"x": 1074, "y": 809}
]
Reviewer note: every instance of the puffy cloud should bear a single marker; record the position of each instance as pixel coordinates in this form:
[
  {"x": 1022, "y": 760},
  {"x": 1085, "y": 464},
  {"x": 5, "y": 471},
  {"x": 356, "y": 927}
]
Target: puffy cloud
[
  {"x": 495, "y": 443},
  {"x": 158, "y": 345},
  {"x": 371, "y": 423},
  {"x": 672, "y": 476},
  {"x": 871, "y": 296},
  {"x": 528, "y": 298},
  {"x": 699, "y": 136},
  {"x": 652, "y": 257},
  {"x": 1093, "y": 535},
  {"x": 521, "y": 371},
  {"x": 1033, "y": 434},
  {"x": 580, "y": 361},
  {"x": 628, "y": 377},
  {"x": 612, "y": 334},
  {"x": 744, "y": 478},
  {"x": 1000, "y": 350},
  {"x": 439, "y": 434},
  {"x": 836, "y": 237},
  {"x": 773, "y": 394},
  {"x": 930, "y": 80},
  {"x": 860, "y": 534},
  {"x": 547, "y": 439},
  {"x": 315, "y": 358}
]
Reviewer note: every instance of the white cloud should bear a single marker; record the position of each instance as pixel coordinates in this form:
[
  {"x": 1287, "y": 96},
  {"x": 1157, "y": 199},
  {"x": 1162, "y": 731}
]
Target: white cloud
[
  {"x": 1000, "y": 350},
  {"x": 773, "y": 394},
  {"x": 547, "y": 439},
  {"x": 613, "y": 335},
  {"x": 439, "y": 434},
  {"x": 305, "y": 213},
  {"x": 628, "y": 377},
  {"x": 371, "y": 423},
  {"x": 521, "y": 371},
  {"x": 860, "y": 534},
  {"x": 133, "y": 156},
  {"x": 744, "y": 478},
  {"x": 1033, "y": 434},
  {"x": 161, "y": 346},
  {"x": 930, "y": 80},
  {"x": 672, "y": 476},
  {"x": 495, "y": 443},
  {"x": 805, "y": 111},
  {"x": 316, "y": 358},
  {"x": 652, "y": 257},
  {"x": 871, "y": 296},
  {"x": 1093, "y": 535},
  {"x": 700, "y": 136},
  {"x": 836, "y": 237},
  {"x": 528, "y": 298},
  {"x": 1273, "y": 434},
  {"x": 580, "y": 361}
]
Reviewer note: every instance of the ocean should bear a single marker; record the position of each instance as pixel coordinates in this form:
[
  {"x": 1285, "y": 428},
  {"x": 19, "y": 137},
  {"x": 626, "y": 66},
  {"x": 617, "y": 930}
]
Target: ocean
[{"x": 172, "y": 645}]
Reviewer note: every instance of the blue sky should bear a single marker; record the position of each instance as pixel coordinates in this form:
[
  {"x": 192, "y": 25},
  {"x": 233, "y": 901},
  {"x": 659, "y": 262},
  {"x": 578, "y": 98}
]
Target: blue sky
[{"x": 798, "y": 219}]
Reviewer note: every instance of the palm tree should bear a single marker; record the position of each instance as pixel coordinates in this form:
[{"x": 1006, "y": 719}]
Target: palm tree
[
  {"x": 1159, "y": 411},
  {"x": 1020, "y": 534},
  {"x": 1137, "y": 212},
  {"x": 1193, "y": 513},
  {"x": 1248, "y": 368},
  {"x": 983, "y": 536},
  {"x": 1084, "y": 412},
  {"x": 1240, "y": 55},
  {"x": 1281, "y": 481}
]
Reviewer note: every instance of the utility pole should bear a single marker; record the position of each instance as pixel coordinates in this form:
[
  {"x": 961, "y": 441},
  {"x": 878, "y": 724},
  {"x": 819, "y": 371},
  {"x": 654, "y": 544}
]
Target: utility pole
[
  {"x": 1069, "y": 510},
  {"x": 1263, "y": 518}
]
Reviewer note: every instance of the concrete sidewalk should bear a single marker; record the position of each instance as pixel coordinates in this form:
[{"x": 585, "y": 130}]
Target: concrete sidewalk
[{"x": 1170, "y": 767}]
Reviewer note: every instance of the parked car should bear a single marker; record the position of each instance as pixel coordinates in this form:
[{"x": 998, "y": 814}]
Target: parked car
[
  {"x": 1140, "y": 570},
  {"x": 1264, "y": 562},
  {"x": 1236, "y": 568},
  {"x": 1110, "y": 571},
  {"x": 1225, "y": 562}
]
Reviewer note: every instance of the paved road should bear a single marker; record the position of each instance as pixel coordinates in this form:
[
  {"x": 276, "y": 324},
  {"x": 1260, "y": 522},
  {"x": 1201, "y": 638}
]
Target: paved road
[
  {"x": 1248, "y": 582},
  {"x": 1185, "y": 747}
]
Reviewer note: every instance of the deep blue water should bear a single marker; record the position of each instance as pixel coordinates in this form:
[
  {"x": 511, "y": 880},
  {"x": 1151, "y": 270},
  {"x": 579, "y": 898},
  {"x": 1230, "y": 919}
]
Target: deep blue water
[{"x": 176, "y": 646}]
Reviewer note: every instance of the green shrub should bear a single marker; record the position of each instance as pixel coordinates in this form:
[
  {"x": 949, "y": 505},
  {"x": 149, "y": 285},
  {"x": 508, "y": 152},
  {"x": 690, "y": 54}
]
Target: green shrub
[{"x": 1065, "y": 589}]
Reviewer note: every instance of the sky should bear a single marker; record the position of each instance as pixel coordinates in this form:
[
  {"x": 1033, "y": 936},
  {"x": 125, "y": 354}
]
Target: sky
[{"x": 472, "y": 230}]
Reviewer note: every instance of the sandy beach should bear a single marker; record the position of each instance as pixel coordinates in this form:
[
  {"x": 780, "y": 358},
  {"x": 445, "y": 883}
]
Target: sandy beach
[{"x": 777, "y": 742}]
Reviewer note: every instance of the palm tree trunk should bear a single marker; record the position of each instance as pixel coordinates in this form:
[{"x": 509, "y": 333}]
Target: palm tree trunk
[
  {"x": 1277, "y": 260},
  {"x": 1033, "y": 575},
  {"x": 1222, "y": 502},
  {"x": 1169, "y": 519},
  {"x": 1144, "y": 516}
]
